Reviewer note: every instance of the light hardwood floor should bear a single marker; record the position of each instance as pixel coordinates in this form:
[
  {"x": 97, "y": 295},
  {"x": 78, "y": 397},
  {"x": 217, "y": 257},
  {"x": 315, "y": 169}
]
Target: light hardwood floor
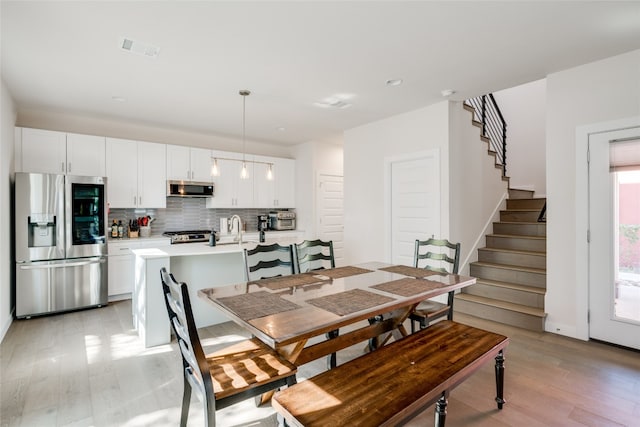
[{"x": 88, "y": 368}]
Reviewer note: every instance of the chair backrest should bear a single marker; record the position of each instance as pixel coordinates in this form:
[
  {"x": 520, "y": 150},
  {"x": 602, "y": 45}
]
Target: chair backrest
[
  {"x": 439, "y": 252},
  {"x": 314, "y": 255},
  {"x": 266, "y": 261},
  {"x": 196, "y": 369}
]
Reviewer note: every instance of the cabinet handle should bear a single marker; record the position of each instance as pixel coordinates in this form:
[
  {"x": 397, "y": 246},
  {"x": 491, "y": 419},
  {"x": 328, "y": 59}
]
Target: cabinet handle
[
  {"x": 140, "y": 199},
  {"x": 69, "y": 167},
  {"x": 62, "y": 167},
  {"x": 134, "y": 200}
]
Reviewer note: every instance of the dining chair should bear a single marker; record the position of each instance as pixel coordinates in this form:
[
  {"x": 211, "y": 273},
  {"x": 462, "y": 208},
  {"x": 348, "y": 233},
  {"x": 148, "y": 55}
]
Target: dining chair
[
  {"x": 241, "y": 371},
  {"x": 314, "y": 255},
  {"x": 440, "y": 256},
  {"x": 265, "y": 261}
]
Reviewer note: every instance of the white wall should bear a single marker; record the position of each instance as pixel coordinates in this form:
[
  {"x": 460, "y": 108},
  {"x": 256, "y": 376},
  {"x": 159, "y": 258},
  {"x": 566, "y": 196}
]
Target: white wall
[
  {"x": 365, "y": 149},
  {"x": 524, "y": 110},
  {"x": 602, "y": 91},
  {"x": 312, "y": 158},
  {"x": 476, "y": 190},
  {"x": 7, "y": 121}
]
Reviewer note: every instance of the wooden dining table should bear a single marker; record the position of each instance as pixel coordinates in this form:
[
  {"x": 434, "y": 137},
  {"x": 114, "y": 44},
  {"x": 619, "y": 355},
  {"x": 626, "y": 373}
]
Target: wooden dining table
[{"x": 285, "y": 312}]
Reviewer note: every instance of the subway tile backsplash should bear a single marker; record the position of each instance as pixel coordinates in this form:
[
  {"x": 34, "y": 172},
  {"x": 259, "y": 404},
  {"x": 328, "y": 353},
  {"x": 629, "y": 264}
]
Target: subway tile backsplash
[{"x": 187, "y": 214}]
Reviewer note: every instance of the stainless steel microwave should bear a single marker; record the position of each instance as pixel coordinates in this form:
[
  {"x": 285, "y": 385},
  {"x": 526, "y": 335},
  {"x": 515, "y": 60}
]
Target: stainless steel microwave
[{"x": 189, "y": 189}]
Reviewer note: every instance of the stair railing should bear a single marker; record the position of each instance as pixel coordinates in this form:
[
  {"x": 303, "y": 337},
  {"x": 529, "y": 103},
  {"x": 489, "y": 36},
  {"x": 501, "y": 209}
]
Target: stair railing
[{"x": 494, "y": 127}]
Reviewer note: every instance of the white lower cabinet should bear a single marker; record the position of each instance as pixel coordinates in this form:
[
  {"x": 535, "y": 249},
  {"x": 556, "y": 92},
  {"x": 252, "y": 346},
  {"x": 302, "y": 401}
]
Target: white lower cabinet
[{"x": 122, "y": 265}]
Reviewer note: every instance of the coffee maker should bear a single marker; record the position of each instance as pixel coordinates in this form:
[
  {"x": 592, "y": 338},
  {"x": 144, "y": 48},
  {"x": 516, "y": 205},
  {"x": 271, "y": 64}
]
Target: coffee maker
[{"x": 263, "y": 225}]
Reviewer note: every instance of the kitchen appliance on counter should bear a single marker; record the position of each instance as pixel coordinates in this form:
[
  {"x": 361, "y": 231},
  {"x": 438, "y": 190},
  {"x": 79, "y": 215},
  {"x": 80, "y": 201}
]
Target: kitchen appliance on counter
[
  {"x": 263, "y": 225},
  {"x": 188, "y": 236},
  {"x": 189, "y": 189},
  {"x": 60, "y": 243},
  {"x": 282, "y": 220}
]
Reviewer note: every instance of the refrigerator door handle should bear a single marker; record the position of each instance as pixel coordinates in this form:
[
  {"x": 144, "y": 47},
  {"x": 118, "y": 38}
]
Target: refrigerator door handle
[{"x": 87, "y": 261}]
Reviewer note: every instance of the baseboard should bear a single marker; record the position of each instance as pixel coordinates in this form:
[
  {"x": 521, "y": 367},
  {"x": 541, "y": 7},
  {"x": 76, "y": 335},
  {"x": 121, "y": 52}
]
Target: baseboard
[
  {"x": 560, "y": 329},
  {"x": 5, "y": 327}
]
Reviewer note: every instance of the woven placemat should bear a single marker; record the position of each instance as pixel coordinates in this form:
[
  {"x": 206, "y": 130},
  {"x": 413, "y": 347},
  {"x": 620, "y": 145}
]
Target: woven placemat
[
  {"x": 257, "y": 304},
  {"x": 349, "y": 302},
  {"x": 408, "y": 286},
  {"x": 409, "y": 271},
  {"x": 282, "y": 282},
  {"x": 337, "y": 273}
]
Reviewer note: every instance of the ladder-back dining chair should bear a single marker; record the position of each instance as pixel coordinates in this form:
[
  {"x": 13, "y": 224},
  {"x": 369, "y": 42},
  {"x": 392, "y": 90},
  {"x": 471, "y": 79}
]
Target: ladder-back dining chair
[
  {"x": 241, "y": 371},
  {"x": 314, "y": 255},
  {"x": 265, "y": 261},
  {"x": 442, "y": 256}
]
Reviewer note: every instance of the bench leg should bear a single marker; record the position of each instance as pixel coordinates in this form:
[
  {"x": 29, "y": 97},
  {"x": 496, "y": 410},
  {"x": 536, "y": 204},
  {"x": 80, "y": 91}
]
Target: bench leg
[
  {"x": 373, "y": 342},
  {"x": 500, "y": 380},
  {"x": 441, "y": 410}
]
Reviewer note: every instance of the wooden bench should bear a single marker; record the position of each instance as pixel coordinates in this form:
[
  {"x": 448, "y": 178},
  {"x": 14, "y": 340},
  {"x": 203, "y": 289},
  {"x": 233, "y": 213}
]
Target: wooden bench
[{"x": 391, "y": 385}]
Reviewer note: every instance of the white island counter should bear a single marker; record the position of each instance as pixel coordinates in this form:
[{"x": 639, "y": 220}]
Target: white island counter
[{"x": 199, "y": 266}]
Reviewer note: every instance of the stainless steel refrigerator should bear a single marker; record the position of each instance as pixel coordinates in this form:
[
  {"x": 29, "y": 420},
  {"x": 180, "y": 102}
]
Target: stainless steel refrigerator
[{"x": 60, "y": 243}]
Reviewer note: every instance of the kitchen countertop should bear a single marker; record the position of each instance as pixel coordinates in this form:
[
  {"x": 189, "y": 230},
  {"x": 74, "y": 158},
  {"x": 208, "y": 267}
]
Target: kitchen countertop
[{"x": 224, "y": 246}]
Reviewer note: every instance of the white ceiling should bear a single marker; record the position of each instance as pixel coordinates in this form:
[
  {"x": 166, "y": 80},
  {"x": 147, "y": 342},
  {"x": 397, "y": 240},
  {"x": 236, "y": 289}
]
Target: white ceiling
[{"x": 65, "y": 57}]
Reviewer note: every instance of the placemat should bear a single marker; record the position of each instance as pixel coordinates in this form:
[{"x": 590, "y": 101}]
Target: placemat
[
  {"x": 257, "y": 304},
  {"x": 337, "y": 273},
  {"x": 349, "y": 301},
  {"x": 408, "y": 286},
  {"x": 409, "y": 271},
  {"x": 282, "y": 282}
]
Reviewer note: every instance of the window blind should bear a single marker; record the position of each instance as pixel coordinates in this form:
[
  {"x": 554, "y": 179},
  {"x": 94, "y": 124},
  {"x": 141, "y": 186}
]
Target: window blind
[{"x": 624, "y": 155}]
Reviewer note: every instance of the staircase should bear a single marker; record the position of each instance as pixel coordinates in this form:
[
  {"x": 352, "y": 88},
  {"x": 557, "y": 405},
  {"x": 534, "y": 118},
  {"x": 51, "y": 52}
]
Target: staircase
[{"x": 511, "y": 269}]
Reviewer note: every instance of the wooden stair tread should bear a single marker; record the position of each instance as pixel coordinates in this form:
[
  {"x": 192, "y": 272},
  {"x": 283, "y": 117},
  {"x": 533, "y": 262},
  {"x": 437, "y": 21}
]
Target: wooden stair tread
[
  {"x": 515, "y": 286},
  {"x": 510, "y": 267},
  {"x": 517, "y": 236},
  {"x": 520, "y": 222},
  {"x": 520, "y": 210},
  {"x": 514, "y": 251},
  {"x": 502, "y": 304}
]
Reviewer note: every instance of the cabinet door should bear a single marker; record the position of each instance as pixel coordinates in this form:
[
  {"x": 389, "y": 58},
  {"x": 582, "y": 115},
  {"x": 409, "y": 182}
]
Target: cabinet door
[
  {"x": 152, "y": 175},
  {"x": 43, "y": 151},
  {"x": 121, "y": 274},
  {"x": 284, "y": 173},
  {"x": 86, "y": 155},
  {"x": 178, "y": 162},
  {"x": 122, "y": 173},
  {"x": 263, "y": 188},
  {"x": 201, "y": 165}
]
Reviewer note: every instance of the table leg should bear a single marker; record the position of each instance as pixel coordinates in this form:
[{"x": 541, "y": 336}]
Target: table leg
[{"x": 500, "y": 380}]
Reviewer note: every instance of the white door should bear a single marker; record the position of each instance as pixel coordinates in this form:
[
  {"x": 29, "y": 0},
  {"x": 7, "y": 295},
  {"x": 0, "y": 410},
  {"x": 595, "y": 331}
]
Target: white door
[
  {"x": 614, "y": 278},
  {"x": 152, "y": 176},
  {"x": 330, "y": 201},
  {"x": 86, "y": 155},
  {"x": 414, "y": 204}
]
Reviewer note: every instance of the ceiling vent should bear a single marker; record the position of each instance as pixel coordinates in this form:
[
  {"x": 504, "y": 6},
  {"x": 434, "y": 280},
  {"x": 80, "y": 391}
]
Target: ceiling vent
[{"x": 140, "y": 48}]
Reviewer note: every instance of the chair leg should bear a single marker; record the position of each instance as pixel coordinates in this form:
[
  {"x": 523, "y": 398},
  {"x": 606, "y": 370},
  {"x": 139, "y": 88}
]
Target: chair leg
[
  {"x": 500, "y": 380},
  {"x": 441, "y": 410},
  {"x": 186, "y": 400},
  {"x": 209, "y": 411},
  {"x": 331, "y": 359}
]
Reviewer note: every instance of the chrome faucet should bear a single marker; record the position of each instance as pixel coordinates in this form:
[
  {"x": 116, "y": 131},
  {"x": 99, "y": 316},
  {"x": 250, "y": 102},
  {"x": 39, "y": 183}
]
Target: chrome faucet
[{"x": 238, "y": 237}]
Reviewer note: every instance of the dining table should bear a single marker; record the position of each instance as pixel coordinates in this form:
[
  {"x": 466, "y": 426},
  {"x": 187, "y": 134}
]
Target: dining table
[{"x": 370, "y": 301}]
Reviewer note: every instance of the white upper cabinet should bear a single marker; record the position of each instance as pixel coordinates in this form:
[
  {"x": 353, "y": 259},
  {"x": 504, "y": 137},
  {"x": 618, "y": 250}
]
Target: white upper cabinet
[
  {"x": 232, "y": 191},
  {"x": 86, "y": 155},
  {"x": 135, "y": 176},
  {"x": 46, "y": 151},
  {"x": 278, "y": 192},
  {"x": 188, "y": 163}
]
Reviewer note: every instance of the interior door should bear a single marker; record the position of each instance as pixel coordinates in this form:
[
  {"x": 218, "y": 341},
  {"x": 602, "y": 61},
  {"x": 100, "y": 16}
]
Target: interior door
[
  {"x": 415, "y": 204},
  {"x": 331, "y": 213},
  {"x": 614, "y": 282}
]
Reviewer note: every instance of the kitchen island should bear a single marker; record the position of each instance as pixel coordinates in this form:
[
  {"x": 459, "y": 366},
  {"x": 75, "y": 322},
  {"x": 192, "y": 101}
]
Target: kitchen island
[{"x": 200, "y": 266}]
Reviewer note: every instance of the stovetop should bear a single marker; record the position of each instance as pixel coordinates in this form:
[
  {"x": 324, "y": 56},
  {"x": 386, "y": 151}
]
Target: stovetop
[{"x": 188, "y": 236}]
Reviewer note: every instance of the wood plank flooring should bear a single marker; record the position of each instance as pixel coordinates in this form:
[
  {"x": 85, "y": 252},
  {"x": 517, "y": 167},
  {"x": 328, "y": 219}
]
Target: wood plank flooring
[{"x": 89, "y": 368}]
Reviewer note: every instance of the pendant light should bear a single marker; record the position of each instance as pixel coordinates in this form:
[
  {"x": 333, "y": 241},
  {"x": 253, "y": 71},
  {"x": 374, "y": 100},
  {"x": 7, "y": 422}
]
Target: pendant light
[{"x": 244, "y": 173}]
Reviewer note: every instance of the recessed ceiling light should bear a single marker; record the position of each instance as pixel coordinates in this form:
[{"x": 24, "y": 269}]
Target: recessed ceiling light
[
  {"x": 394, "y": 82},
  {"x": 447, "y": 92},
  {"x": 119, "y": 98},
  {"x": 281, "y": 128}
]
